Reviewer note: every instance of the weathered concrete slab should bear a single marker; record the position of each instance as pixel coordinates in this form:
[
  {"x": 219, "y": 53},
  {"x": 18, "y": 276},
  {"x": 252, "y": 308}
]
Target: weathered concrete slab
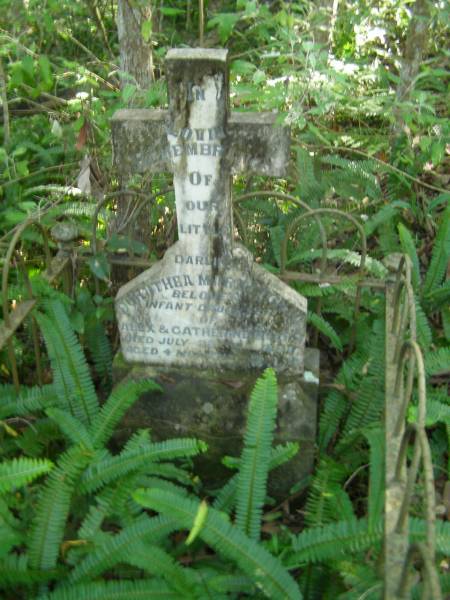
[{"x": 212, "y": 406}]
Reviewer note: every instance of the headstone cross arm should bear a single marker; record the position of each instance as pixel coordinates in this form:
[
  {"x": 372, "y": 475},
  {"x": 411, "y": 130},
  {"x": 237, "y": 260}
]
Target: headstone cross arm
[
  {"x": 255, "y": 142},
  {"x": 196, "y": 140}
]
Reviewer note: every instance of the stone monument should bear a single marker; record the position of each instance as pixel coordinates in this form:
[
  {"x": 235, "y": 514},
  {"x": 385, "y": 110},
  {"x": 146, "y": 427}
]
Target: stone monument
[{"x": 206, "y": 319}]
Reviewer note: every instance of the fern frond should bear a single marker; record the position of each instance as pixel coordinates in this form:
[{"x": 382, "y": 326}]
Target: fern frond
[
  {"x": 376, "y": 441},
  {"x": 9, "y": 538},
  {"x": 255, "y": 457},
  {"x": 418, "y": 528},
  {"x": 227, "y": 584},
  {"x": 155, "y": 561},
  {"x": 325, "y": 492},
  {"x": 386, "y": 214},
  {"x": 53, "y": 508},
  {"x": 71, "y": 427},
  {"x": 100, "y": 350},
  {"x": 143, "y": 589},
  {"x": 334, "y": 540},
  {"x": 116, "y": 547},
  {"x": 369, "y": 396},
  {"x": 28, "y": 400},
  {"x": 424, "y": 335},
  {"x": 72, "y": 379},
  {"x": 109, "y": 469},
  {"x": 15, "y": 570},
  {"x": 438, "y": 361},
  {"x": 439, "y": 256},
  {"x": 120, "y": 400},
  {"x": 252, "y": 558},
  {"x": 226, "y": 497},
  {"x": 20, "y": 471},
  {"x": 326, "y": 329}
]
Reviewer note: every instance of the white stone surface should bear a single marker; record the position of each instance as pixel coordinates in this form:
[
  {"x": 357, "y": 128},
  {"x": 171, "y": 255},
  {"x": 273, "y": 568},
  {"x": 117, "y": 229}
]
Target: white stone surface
[{"x": 207, "y": 304}]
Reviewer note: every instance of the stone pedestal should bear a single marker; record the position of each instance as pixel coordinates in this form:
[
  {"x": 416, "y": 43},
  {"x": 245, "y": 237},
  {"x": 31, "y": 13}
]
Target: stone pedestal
[{"x": 212, "y": 406}]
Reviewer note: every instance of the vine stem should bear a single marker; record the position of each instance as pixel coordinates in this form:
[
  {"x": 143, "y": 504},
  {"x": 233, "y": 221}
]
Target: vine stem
[
  {"x": 201, "y": 21},
  {"x": 6, "y": 125}
]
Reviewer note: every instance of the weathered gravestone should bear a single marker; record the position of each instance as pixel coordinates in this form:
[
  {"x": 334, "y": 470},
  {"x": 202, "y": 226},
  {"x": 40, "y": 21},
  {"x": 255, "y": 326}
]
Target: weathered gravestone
[{"x": 206, "y": 320}]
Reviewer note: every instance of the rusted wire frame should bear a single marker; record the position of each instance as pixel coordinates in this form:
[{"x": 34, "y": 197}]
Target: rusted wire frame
[
  {"x": 142, "y": 204},
  {"x": 294, "y": 200},
  {"x": 331, "y": 211},
  {"x": 415, "y": 359},
  {"x": 34, "y": 329},
  {"x": 410, "y": 351},
  {"x": 111, "y": 195},
  {"x": 431, "y": 579},
  {"x": 5, "y": 275}
]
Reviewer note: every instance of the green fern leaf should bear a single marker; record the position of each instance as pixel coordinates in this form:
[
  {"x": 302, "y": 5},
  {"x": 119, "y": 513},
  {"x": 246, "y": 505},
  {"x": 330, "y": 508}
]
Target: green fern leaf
[
  {"x": 116, "y": 547},
  {"x": 143, "y": 589},
  {"x": 111, "y": 468},
  {"x": 324, "y": 327},
  {"x": 437, "y": 362},
  {"x": 375, "y": 438},
  {"x": 440, "y": 255},
  {"x": 386, "y": 214},
  {"x": 15, "y": 570},
  {"x": 332, "y": 541},
  {"x": 326, "y": 492},
  {"x": 155, "y": 561},
  {"x": 424, "y": 335},
  {"x": 369, "y": 395},
  {"x": 255, "y": 457},
  {"x": 20, "y": 471},
  {"x": 72, "y": 379},
  {"x": 28, "y": 400},
  {"x": 226, "y": 497},
  {"x": 252, "y": 558},
  {"x": 120, "y": 400},
  {"x": 100, "y": 350},
  {"x": 71, "y": 427},
  {"x": 53, "y": 508}
]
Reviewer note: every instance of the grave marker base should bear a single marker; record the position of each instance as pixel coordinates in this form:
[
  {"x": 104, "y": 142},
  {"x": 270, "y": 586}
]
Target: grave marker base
[{"x": 212, "y": 405}]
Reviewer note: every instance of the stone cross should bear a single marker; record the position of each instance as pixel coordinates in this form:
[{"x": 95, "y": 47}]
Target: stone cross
[{"x": 206, "y": 304}]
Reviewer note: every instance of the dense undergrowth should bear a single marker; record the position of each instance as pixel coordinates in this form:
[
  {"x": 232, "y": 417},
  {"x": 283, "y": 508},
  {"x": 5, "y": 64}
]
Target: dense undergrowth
[{"x": 79, "y": 521}]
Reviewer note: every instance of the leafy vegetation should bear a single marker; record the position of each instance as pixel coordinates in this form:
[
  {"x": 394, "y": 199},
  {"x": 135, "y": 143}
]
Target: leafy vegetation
[{"x": 370, "y": 139}]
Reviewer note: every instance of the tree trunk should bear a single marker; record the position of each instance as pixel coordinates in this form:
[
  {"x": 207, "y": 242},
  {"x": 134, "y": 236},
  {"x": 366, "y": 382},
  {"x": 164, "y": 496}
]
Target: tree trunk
[
  {"x": 136, "y": 65},
  {"x": 415, "y": 48},
  {"x": 136, "y": 58}
]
